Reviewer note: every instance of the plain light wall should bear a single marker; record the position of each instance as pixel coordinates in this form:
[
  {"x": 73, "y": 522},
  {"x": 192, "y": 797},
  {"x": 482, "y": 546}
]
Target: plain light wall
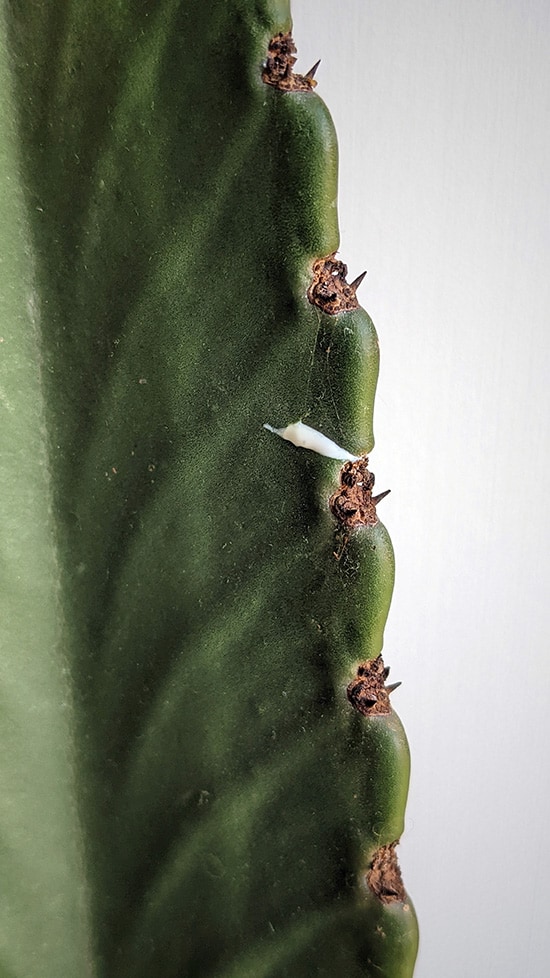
[{"x": 442, "y": 110}]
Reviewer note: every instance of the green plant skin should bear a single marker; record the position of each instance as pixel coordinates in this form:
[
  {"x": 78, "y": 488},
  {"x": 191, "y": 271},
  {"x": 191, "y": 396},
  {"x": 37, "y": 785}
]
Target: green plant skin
[
  {"x": 359, "y": 584},
  {"x": 227, "y": 797},
  {"x": 345, "y": 360}
]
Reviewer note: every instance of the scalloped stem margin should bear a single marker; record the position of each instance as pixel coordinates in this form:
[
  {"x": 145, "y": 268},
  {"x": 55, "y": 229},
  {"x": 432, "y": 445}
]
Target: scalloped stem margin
[{"x": 368, "y": 574}]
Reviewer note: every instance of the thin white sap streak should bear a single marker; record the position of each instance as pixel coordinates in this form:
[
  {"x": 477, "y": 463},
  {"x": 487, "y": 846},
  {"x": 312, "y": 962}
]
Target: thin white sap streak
[{"x": 303, "y": 436}]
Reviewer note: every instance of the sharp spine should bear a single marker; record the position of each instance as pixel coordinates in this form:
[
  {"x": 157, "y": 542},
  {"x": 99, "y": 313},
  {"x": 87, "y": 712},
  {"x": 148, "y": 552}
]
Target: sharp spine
[
  {"x": 311, "y": 73},
  {"x": 357, "y": 281}
]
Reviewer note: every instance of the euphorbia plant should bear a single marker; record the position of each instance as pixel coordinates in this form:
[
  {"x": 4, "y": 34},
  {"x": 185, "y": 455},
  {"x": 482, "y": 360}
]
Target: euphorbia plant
[{"x": 202, "y": 772}]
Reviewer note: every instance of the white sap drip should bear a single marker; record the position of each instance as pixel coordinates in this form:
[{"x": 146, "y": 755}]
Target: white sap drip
[{"x": 303, "y": 436}]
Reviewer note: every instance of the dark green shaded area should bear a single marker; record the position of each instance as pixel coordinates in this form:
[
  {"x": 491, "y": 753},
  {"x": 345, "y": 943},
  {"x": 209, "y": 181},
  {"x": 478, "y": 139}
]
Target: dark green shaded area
[{"x": 226, "y": 791}]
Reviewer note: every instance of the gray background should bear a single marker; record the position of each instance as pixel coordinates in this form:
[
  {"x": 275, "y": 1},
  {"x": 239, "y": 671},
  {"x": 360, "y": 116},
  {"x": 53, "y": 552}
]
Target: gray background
[{"x": 443, "y": 117}]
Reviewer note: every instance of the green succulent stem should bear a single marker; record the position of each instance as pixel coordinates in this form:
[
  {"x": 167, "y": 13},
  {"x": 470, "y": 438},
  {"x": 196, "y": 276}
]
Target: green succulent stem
[{"x": 195, "y": 781}]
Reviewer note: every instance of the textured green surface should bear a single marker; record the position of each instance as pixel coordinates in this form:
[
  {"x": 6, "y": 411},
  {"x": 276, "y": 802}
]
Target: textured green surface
[{"x": 185, "y": 789}]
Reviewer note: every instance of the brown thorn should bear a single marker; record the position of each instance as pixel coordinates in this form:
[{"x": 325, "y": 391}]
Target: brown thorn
[
  {"x": 311, "y": 73},
  {"x": 381, "y": 495},
  {"x": 329, "y": 289},
  {"x": 357, "y": 281},
  {"x": 391, "y": 687}
]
